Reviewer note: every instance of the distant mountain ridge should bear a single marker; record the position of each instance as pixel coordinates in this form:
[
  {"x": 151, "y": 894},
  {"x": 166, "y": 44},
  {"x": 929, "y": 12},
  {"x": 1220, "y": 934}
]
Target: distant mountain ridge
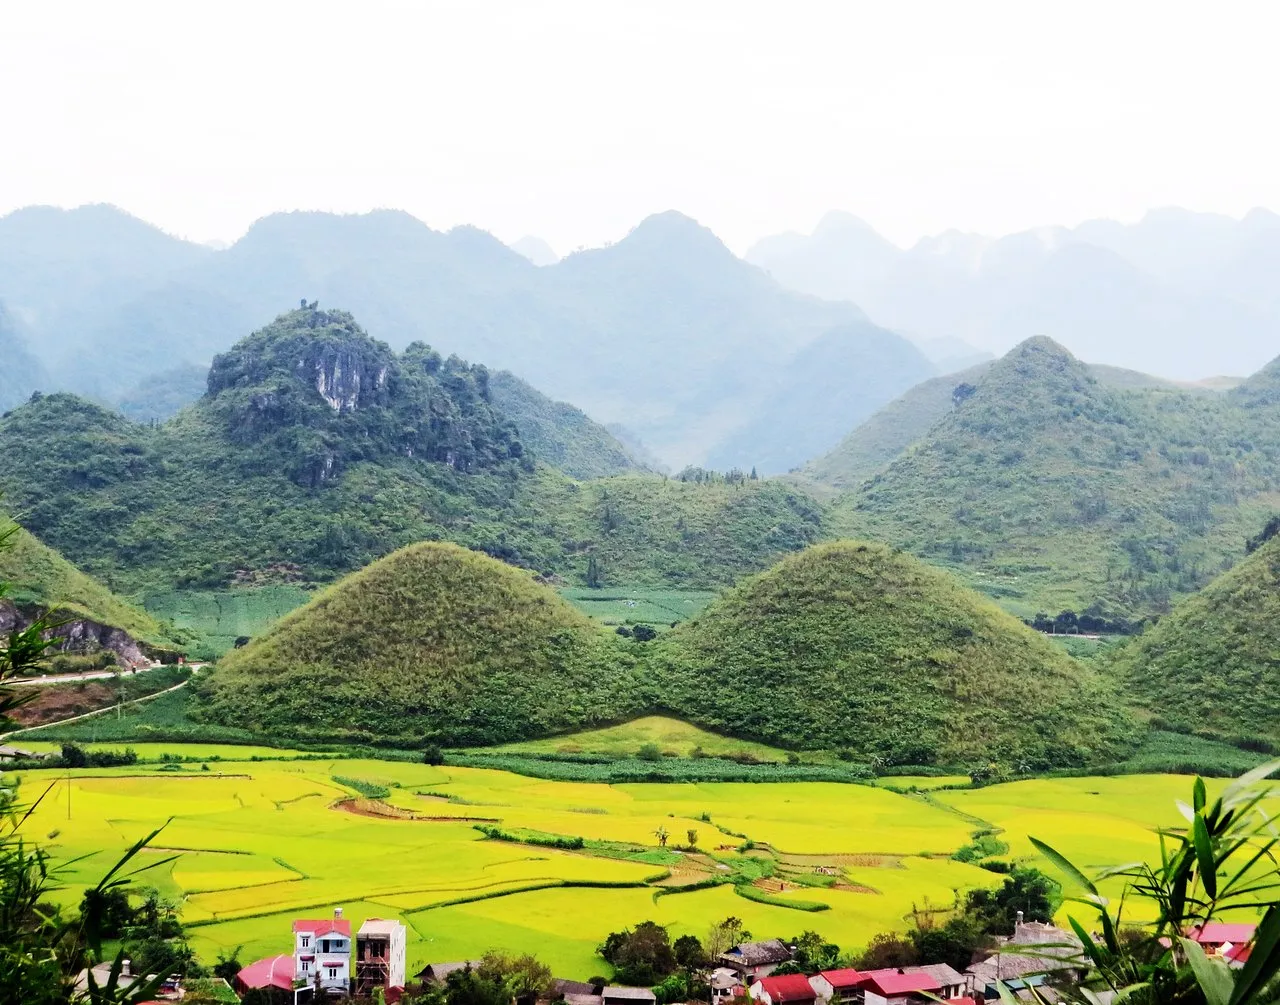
[
  {"x": 666, "y": 330},
  {"x": 1177, "y": 291}
]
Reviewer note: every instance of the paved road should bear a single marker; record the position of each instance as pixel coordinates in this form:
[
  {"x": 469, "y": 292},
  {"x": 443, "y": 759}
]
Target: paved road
[{"x": 71, "y": 678}]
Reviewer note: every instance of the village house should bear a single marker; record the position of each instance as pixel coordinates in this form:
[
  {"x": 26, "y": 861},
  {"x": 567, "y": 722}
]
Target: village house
[
  {"x": 437, "y": 973},
  {"x": 1036, "y": 955},
  {"x": 380, "y": 954},
  {"x": 787, "y": 989},
  {"x": 725, "y": 985},
  {"x": 272, "y": 972},
  {"x": 753, "y": 960},
  {"x": 576, "y": 992},
  {"x": 627, "y": 996},
  {"x": 1220, "y": 937},
  {"x": 839, "y": 987},
  {"x": 921, "y": 985},
  {"x": 322, "y": 950}
]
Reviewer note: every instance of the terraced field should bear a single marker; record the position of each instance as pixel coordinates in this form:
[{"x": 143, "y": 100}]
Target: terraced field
[{"x": 260, "y": 842}]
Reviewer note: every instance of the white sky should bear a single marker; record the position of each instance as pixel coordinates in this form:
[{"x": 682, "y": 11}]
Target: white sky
[{"x": 573, "y": 121}]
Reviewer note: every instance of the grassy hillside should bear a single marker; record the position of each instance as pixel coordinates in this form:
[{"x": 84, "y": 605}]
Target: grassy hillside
[
  {"x": 862, "y": 647},
  {"x": 1049, "y": 490},
  {"x": 563, "y": 436},
  {"x": 432, "y": 643},
  {"x": 299, "y": 474},
  {"x": 1214, "y": 663},
  {"x": 40, "y": 576}
]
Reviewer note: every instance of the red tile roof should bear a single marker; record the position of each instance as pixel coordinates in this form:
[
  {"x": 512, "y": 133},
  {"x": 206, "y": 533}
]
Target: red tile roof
[
  {"x": 1216, "y": 932},
  {"x": 788, "y": 988},
  {"x": 845, "y": 978},
  {"x": 1240, "y": 954},
  {"x": 321, "y": 928},
  {"x": 896, "y": 982},
  {"x": 273, "y": 972}
]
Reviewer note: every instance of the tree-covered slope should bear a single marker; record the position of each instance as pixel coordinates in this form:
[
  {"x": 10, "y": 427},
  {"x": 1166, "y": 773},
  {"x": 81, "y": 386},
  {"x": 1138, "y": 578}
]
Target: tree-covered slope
[
  {"x": 558, "y": 433},
  {"x": 909, "y": 417},
  {"x": 318, "y": 449},
  {"x": 433, "y": 643},
  {"x": 41, "y": 578},
  {"x": 1214, "y": 663},
  {"x": 861, "y": 647},
  {"x": 1049, "y": 490}
]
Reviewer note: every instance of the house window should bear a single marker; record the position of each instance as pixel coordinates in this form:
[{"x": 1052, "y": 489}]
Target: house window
[
  {"x": 306, "y": 941},
  {"x": 306, "y": 965},
  {"x": 333, "y": 971}
]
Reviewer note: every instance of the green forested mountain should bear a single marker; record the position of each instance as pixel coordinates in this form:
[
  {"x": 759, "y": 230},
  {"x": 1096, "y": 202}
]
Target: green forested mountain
[
  {"x": 1049, "y": 490},
  {"x": 1214, "y": 663},
  {"x": 882, "y": 437},
  {"x": 318, "y": 449},
  {"x": 558, "y": 433},
  {"x": 862, "y": 647},
  {"x": 39, "y": 577},
  {"x": 160, "y": 396},
  {"x": 432, "y": 643}
]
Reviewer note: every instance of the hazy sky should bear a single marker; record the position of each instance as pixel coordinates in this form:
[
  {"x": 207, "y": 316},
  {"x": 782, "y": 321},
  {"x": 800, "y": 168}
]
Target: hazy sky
[{"x": 573, "y": 121}]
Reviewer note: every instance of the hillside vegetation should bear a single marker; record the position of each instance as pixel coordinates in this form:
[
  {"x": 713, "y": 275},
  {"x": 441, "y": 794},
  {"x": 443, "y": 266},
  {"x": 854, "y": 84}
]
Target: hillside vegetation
[
  {"x": 432, "y": 643},
  {"x": 40, "y": 577},
  {"x": 861, "y": 647},
  {"x": 1214, "y": 663},
  {"x": 558, "y": 433},
  {"x": 1048, "y": 490},
  {"x": 317, "y": 450}
]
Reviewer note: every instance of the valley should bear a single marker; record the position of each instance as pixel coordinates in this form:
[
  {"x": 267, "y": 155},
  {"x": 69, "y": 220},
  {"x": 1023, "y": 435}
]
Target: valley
[{"x": 262, "y": 841}]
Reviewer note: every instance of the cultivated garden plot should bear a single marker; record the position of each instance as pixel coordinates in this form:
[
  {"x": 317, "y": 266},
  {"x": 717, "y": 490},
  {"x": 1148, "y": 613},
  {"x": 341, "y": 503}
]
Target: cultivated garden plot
[{"x": 559, "y": 864}]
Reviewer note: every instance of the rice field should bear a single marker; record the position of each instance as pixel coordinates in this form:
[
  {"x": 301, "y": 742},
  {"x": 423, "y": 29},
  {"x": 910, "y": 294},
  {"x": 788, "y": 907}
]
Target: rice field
[
  {"x": 258, "y": 843},
  {"x": 630, "y": 605}
]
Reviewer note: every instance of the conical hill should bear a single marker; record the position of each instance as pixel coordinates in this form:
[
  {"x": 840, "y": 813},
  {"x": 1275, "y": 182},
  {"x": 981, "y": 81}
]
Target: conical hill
[
  {"x": 861, "y": 647},
  {"x": 1214, "y": 663},
  {"x": 431, "y": 643}
]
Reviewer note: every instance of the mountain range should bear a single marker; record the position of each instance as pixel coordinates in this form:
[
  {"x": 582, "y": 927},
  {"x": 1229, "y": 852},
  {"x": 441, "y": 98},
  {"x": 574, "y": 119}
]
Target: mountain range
[
  {"x": 665, "y": 331},
  {"x": 1189, "y": 294}
]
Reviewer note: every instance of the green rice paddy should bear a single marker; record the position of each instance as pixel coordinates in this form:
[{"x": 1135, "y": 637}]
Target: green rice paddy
[{"x": 260, "y": 842}]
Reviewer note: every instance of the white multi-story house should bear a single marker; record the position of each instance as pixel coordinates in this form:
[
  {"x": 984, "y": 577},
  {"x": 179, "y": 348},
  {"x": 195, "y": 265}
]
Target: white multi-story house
[{"x": 323, "y": 948}]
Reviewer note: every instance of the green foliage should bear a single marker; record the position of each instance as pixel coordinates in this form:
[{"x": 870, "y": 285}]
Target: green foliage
[
  {"x": 531, "y": 837},
  {"x": 1049, "y": 490},
  {"x": 1214, "y": 664},
  {"x": 749, "y": 892},
  {"x": 557, "y": 433},
  {"x": 431, "y": 643},
  {"x": 366, "y": 788},
  {"x": 1025, "y": 890},
  {"x": 220, "y": 617},
  {"x": 639, "y": 956},
  {"x": 857, "y": 646},
  {"x": 264, "y": 481}
]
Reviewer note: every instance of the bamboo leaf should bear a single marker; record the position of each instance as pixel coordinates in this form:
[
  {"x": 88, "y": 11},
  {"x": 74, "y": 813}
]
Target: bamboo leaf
[
  {"x": 1212, "y": 975},
  {"x": 1204, "y": 856},
  {"x": 1264, "y": 959},
  {"x": 1065, "y": 866}
]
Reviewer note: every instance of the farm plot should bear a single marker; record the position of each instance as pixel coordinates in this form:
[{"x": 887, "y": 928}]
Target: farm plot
[{"x": 258, "y": 843}]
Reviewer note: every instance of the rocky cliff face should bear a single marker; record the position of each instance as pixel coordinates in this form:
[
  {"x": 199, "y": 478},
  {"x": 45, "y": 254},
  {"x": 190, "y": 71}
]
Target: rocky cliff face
[{"x": 79, "y": 636}]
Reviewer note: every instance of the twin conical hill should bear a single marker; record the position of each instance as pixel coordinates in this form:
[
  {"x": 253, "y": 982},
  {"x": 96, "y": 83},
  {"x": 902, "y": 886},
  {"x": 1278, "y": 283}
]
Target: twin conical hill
[
  {"x": 1214, "y": 663},
  {"x": 861, "y": 647},
  {"x": 432, "y": 643}
]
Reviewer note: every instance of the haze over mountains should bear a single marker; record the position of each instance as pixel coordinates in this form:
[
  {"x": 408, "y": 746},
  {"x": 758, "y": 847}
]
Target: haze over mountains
[
  {"x": 1187, "y": 295},
  {"x": 666, "y": 331}
]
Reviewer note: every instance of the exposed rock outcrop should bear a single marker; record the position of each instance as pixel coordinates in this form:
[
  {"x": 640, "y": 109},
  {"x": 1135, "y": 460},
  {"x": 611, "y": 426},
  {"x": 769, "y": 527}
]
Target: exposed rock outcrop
[{"x": 79, "y": 635}]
